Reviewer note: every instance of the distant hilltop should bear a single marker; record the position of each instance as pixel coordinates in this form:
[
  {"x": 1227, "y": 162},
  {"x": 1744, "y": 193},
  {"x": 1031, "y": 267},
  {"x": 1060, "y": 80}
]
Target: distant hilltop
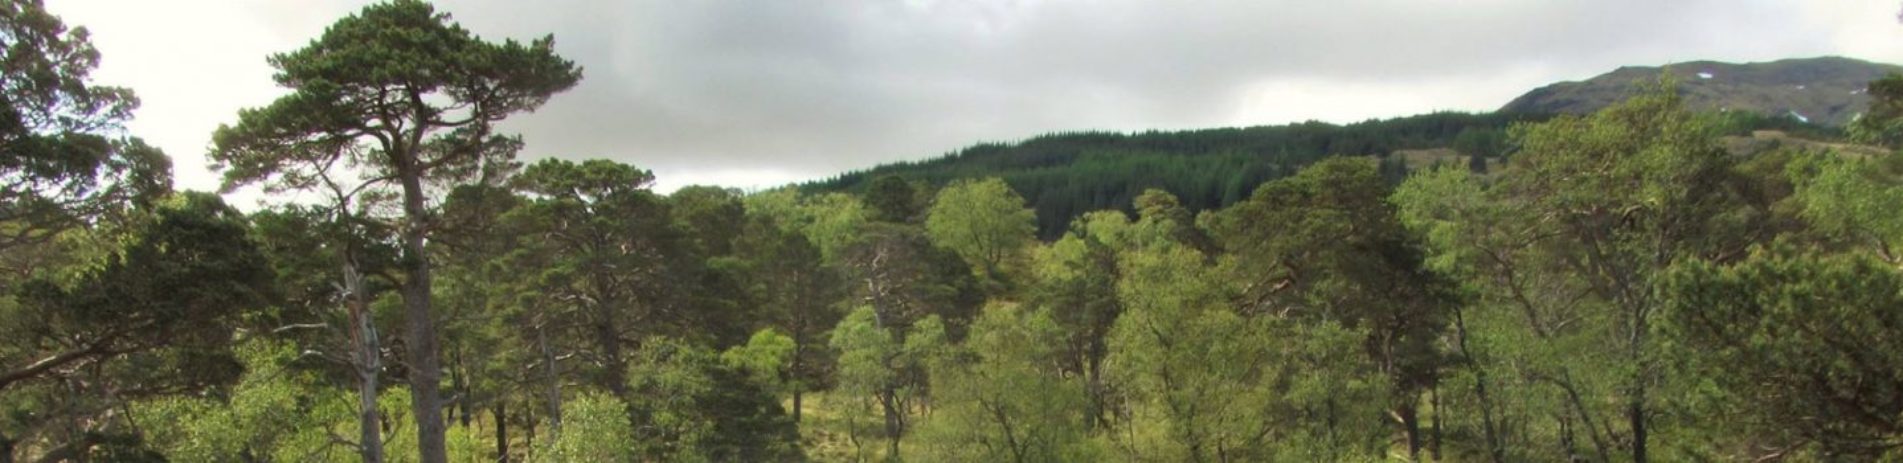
[{"x": 1825, "y": 91}]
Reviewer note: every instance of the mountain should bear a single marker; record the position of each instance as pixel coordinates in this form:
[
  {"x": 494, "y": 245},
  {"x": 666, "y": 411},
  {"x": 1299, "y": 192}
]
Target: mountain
[{"x": 1827, "y": 91}]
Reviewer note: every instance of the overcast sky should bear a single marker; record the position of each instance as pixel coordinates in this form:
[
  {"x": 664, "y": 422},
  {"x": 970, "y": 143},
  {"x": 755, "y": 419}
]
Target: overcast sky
[{"x": 764, "y": 92}]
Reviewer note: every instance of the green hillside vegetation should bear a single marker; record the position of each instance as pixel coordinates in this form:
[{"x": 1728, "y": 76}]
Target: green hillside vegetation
[
  {"x": 1066, "y": 175},
  {"x": 1622, "y": 286}
]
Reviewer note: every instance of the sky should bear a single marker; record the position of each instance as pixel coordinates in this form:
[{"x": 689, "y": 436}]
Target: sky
[{"x": 759, "y": 93}]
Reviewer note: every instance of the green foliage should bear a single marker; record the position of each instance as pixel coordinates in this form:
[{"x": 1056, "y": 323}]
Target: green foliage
[
  {"x": 831, "y": 222},
  {"x": 400, "y": 96},
  {"x": 595, "y": 428},
  {"x": 1621, "y": 288},
  {"x": 1062, "y": 176},
  {"x": 872, "y": 357},
  {"x": 181, "y": 279},
  {"x": 1205, "y": 383},
  {"x": 1853, "y": 199},
  {"x": 983, "y": 221},
  {"x": 1448, "y": 208},
  {"x": 710, "y": 217},
  {"x": 276, "y": 412},
  {"x": 766, "y": 357},
  {"x": 62, "y": 168},
  {"x": 1802, "y": 348},
  {"x": 893, "y": 199},
  {"x": 1325, "y": 244},
  {"x": 1003, "y": 396},
  {"x": 865, "y": 352},
  {"x": 1075, "y": 284},
  {"x": 691, "y": 406},
  {"x": 1480, "y": 142},
  {"x": 1562, "y": 254},
  {"x": 598, "y": 237},
  {"x": 834, "y": 223},
  {"x": 798, "y": 294},
  {"x": 1187, "y": 362},
  {"x": 439, "y": 86},
  {"x": 905, "y": 278},
  {"x": 880, "y": 371},
  {"x": 1882, "y": 125}
]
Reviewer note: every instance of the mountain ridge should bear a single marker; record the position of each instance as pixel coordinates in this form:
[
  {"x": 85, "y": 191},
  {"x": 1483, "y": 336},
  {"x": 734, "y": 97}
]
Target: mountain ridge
[{"x": 1827, "y": 90}]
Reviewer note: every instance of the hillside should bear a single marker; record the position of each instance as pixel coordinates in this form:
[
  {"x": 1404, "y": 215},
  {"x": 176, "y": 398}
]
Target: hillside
[
  {"x": 1065, "y": 175},
  {"x": 1827, "y": 91}
]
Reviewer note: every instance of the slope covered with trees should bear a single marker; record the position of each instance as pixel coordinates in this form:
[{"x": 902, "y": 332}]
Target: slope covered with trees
[
  {"x": 1622, "y": 287},
  {"x": 1066, "y": 175}
]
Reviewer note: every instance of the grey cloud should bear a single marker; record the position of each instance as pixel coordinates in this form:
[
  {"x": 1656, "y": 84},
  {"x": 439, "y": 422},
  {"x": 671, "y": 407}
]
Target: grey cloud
[{"x": 817, "y": 87}]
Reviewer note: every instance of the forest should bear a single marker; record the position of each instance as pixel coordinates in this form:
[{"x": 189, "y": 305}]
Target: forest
[
  {"x": 1065, "y": 175},
  {"x": 1621, "y": 287}
]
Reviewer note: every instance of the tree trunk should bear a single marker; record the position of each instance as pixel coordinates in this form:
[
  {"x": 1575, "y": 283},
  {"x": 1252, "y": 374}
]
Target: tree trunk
[
  {"x": 892, "y": 449},
  {"x": 528, "y": 436},
  {"x": 458, "y": 378},
  {"x": 1328, "y": 415},
  {"x": 1094, "y": 389},
  {"x": 425, "y": 368},
  {"x": 888, "y": 399},
  {"x": 369, "y": 363},
  {"x": 797, "y": 366},
  {"x": 1585, "y": 417},
  {"x": 1635, "y": 408},
  {"x": 1495, "y": 450},
  {"x": 608, "y": 344},
  {"x": 502, "y": 432},
  {"x": 1635, "y": 412},
  {"x": 1411, "y": 426},
  {"x": 369, "y": 423},
  {"x": 552, "y": 382},
  {"x": 1566, "y": 444},
  {"x": 614, "y": 366},
  {"x": 6, "y": 449},
  {"x": 1434, "y": 398}
]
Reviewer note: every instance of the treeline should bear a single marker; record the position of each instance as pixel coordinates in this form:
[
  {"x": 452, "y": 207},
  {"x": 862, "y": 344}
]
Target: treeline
[
  {"x": 1623, "y": 289},
  {"x": 1068, "y": 174},
  {"x": 1065, "y": 175}
]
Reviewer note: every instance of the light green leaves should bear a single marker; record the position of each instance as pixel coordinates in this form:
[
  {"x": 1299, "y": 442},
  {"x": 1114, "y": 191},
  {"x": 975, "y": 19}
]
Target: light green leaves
[
  {"x": 765, "y": 357},
  {"x": 275, "y": 411},
  {"x": 984, "y": 221},
  {"x": 1853, "y": 199},
  {"x": 1002, "y": 397},
  {"x": 595, "y": 427}
]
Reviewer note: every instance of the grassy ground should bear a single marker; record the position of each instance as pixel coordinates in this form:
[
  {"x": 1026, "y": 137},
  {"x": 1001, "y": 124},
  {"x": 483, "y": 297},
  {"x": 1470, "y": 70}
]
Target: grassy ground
[{"x": 838, "y": 428}]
